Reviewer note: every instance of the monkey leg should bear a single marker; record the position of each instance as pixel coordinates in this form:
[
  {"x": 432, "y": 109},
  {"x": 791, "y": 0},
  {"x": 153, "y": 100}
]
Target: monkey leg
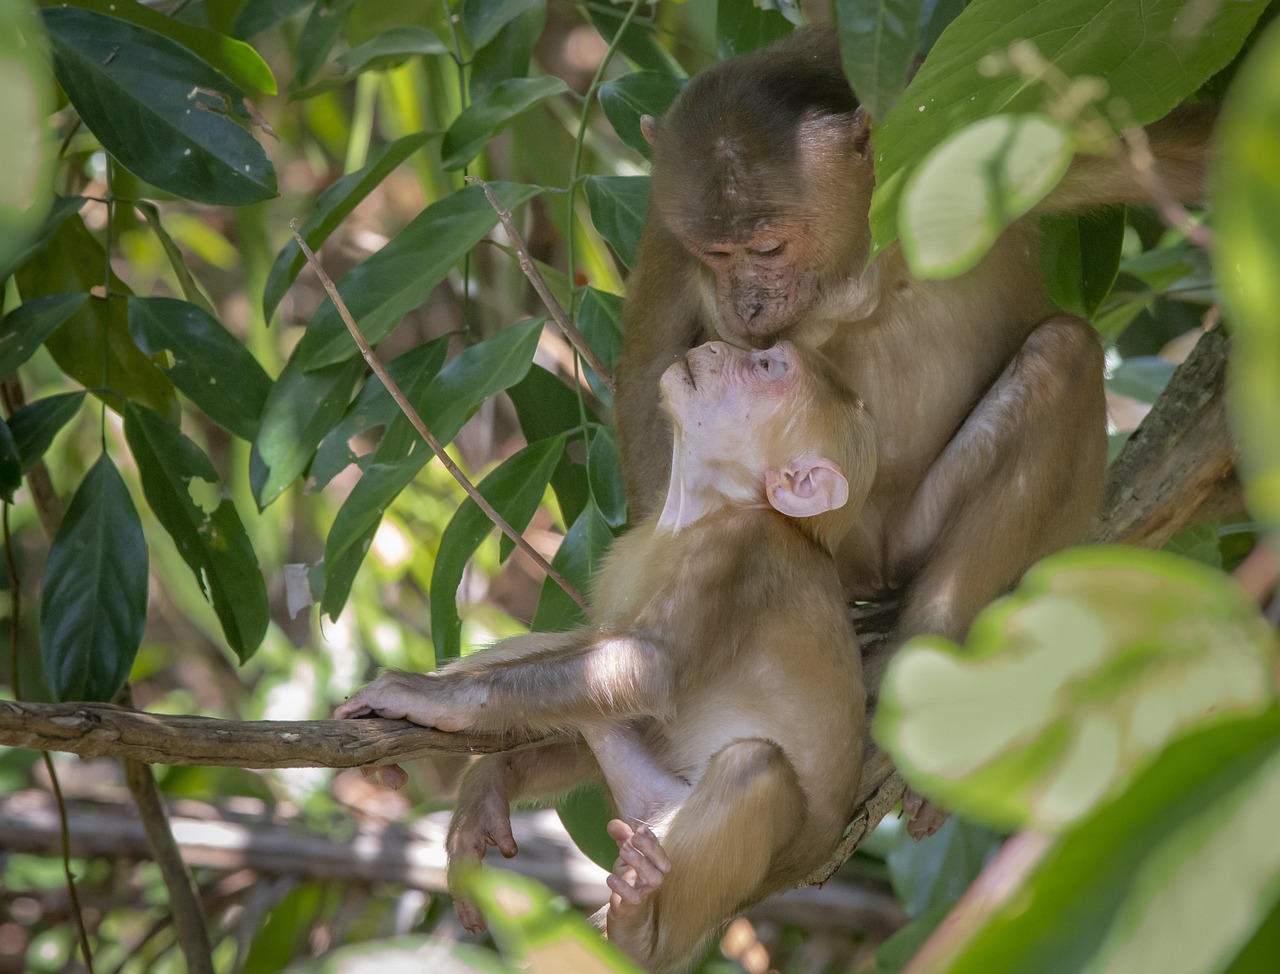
[
  {"x": 720, "y": 848},
  {"x": 1021, "y": 478},
  {"x": 482, "y": 815}
]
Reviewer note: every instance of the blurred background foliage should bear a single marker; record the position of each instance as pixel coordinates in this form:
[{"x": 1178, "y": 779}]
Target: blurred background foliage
[{"x": 206, "y": 495}]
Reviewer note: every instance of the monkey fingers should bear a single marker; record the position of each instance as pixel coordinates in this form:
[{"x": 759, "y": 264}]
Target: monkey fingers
[
  {"x": 642, "y": 863},
  {"x": 424, "y": 699},
  {"x": 923, "y": 816}
]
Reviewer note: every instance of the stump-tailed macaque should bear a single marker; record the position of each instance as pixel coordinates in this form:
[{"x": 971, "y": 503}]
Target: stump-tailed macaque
[
  {"x": 718, "y": 687},
  {"x": 990, "y": 411}
]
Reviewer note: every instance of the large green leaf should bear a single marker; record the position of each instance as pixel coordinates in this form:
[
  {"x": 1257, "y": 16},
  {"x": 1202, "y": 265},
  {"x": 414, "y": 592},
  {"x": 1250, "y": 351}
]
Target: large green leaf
[
  {"x": 936, "y": 871},
  {"x": 1148, "y": 63},
  {"x": 26, "y": 101},
  {"x": 878, "y": 41},
  {"x": 413, "y": 372},
  {"x": 509, "y": 53},
  {"x": 333, "y": 206},
  {"x": 618, "y": 205},
  {"x": 626, "y": 99},
  {"x": 515, "y": 489},
  {"x": 12, "y": 252},
  {"x": 26, "y": 327},
  {"x": 1247, "y": 204},
  {"x": 401, "y": 276},
  {"x": 478, "y": 373},
  {"x": 581, "y": 553},
  {"x": 93, "y": 608},
  {"x": 1080, "y": 254},
  {"x": 36, "y": 424},
  {"x": 1068, "y": 687},
  {"x": 604, "y": 471},
  {"x": 1175, "y": 875},
  {"x": 547, "y": 407},
  {"x": 484, "y": 118},
  {"x": 975, "y": 184},
  {"x": 162, "y": 112},
  {"x": 638, "y": 44},
  {"x": 236, "y": 59},
  {"x": 179, "y": 481},
  {"x": 321, "y": 31},
  {"x": 204, "y": 360}
]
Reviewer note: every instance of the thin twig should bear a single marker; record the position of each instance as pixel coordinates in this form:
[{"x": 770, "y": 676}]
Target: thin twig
[
  {"x": 1143, "y": 161},
  {"x": 567, "y": 327},
  {"x": 407, "y": 408}
]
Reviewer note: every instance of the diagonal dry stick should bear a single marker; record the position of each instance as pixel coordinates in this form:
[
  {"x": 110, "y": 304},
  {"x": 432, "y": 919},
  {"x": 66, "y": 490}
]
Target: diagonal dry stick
[
  {"x": 567, "y": 327},
  {"x": 407, "y": 408}
]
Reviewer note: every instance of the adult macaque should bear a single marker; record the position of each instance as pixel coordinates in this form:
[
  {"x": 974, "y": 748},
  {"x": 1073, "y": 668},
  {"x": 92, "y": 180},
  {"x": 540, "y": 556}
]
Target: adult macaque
[
  {"x": 990, "y": 413},
  {"x": 719, "y": 685}
]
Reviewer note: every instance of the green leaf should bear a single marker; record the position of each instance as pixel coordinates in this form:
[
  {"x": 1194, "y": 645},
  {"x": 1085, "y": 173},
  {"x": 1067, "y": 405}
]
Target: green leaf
[
  {"x": 1199, "y": 543},
  {"x": 585, "y": 544},
  {"x": 36, "y": 424},
  {"x": 484, "y": 118},
  {"x": 413, "y": 372},
  {"x": 10, "y": 464},
  {"x": 1247, "y": 206},
  {"x": 93, "y": 346},
  {"x": 1149, "y": 63},
  {"x": 600, "y": 321},
  {"x": 604, "y": 471},
  {"x": 975, "y": 184},
  {"x": 333, "y": 206},
  {"x": 744, "y": 25},
  {"x": 626, "y": 99},
  {"x": 515, "y": 489},
  {"x": 134, "y": 90},
  {"x": 93, "y": 608},
  {"x": 177, "y": 479},
  {"x": 261, "y": 15},
  {"x": 301, "y": 409},
  {"x": 26, "y": 104},
  {"x": 584, "y": 813},
  {"x": 1192, "y": 838},
  {"x": 509, "y": 54},
  {"x": 401, "y": 276},
  {"x": 26, "y": 327},
  {"x": 204, "y": 360},
  {"x": 1072, "y": 684},
  {"x": 1080, "y": 255},
  {"x": 1143, "y": 377},
  {"x": 478, "y": 373},
  {"x": 190, "y": 289},
  {"x": 325, "y": 23},
  {"x": 13, "y": 255},
  {"x": 483, "y": 19},
  {"x": 390, "y": 48},
  {"x": 878, "y": 42},
  {"x": 539, "y": 931},
  {"x": 618, "y": 205},
  {"x": 637, "y": 44},
  {"x": 936, "y": 871},
  {"x": 236, "y": 59},
  {"x": 405, "y": 952},
  {"x": 546, "y": 407}
]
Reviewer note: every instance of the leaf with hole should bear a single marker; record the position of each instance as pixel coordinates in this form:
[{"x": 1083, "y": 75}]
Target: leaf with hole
[{"x": 166, "y": 116}]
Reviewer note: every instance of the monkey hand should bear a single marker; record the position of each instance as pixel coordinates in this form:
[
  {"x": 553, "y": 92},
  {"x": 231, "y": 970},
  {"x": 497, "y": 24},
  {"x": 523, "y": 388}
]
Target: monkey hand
[
  {"x": 923, "y": 816},
  {"x": 640, "y": 870},
  {"x": 475, "y": 827},
  {"x": 424, "y": 698}
]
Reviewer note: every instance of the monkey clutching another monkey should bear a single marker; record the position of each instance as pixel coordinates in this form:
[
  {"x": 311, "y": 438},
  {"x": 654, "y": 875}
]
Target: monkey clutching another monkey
[
  {"x": 719, "y": 685},
  {"x": 989, "y": 409}
]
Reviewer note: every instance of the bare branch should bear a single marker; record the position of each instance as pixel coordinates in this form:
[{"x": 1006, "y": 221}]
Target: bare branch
[
  {"x": 567, "y": 327},
  {"x": 407, "y": 408}
]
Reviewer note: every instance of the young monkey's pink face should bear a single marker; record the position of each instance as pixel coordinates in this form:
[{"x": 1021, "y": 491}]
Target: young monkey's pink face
[{"x": 724, "y": 399}]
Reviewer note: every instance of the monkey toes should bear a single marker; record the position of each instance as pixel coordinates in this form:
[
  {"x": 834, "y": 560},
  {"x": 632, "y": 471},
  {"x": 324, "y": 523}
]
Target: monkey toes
[
  {"x": 641, "y": 868},
  {"x": 923, "y": 816}
]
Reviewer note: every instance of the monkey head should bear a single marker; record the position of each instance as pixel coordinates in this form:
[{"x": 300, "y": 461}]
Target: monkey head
[
  {"x": 774, "y": 425},
  {"x": 762, "y": 171}
]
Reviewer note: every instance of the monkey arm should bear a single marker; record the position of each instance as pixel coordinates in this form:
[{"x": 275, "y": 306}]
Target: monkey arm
[
  {"x": 541, "y": 681},
  {"x": 661, "y": 323}
]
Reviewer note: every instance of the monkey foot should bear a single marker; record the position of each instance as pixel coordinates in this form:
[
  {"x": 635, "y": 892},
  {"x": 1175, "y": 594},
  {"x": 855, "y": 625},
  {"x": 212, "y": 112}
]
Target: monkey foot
[
  {"x": 640, "y": 870},
  {"x": 923, "y": 816},
  {"x": 470, "y": 917}
]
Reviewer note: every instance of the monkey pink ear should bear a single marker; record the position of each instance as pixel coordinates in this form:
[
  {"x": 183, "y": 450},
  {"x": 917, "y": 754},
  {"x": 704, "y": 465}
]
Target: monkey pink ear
[
  {"x": 649, "y": 128},
  {"x": 808, "y": 488}
]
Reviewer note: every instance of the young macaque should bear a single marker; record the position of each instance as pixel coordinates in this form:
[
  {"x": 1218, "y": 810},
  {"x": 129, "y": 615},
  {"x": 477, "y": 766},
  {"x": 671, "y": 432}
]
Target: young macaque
[
  {"x": 718, "y": 686},
  {"x": 989, "y": 410}
]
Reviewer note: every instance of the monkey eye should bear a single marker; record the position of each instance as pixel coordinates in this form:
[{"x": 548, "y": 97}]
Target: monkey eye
[
  {"x": 773, "y": 251},
  {"x": 773, "y": 368}
]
